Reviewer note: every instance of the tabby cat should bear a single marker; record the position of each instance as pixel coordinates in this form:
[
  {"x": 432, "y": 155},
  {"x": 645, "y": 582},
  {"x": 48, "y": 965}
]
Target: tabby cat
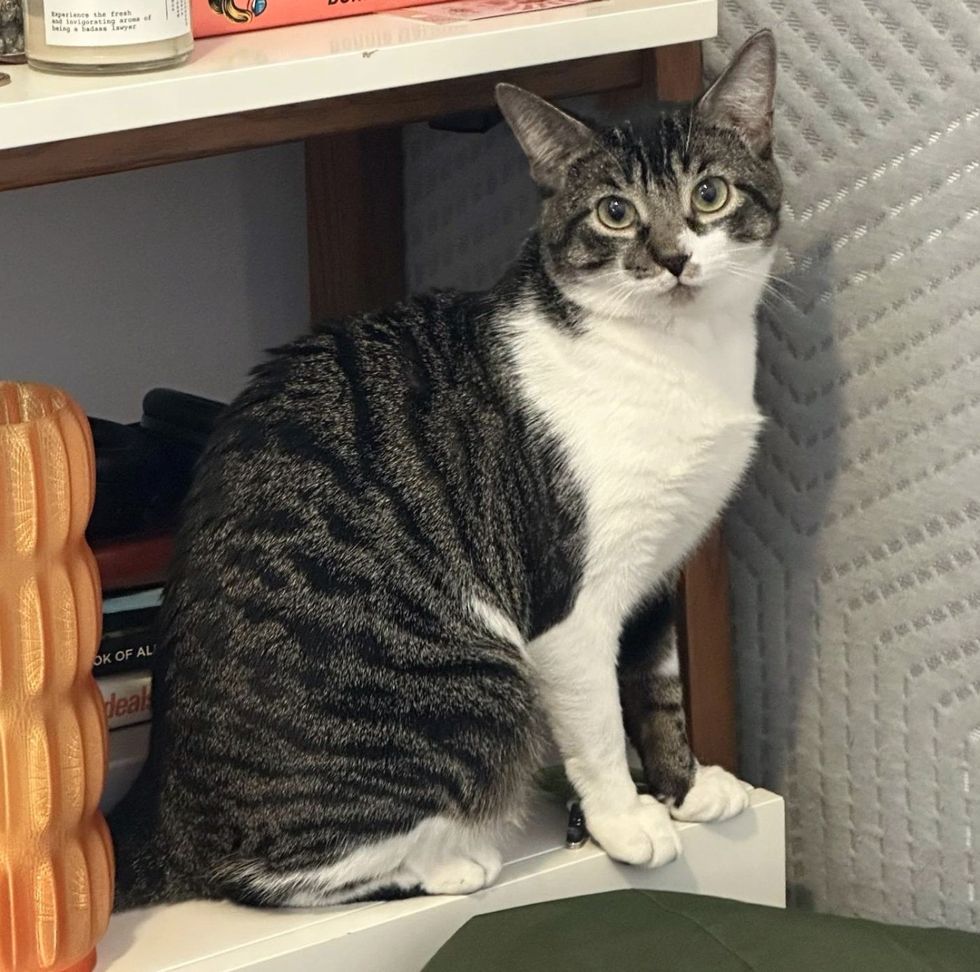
[{"x": 423, "y": 542}]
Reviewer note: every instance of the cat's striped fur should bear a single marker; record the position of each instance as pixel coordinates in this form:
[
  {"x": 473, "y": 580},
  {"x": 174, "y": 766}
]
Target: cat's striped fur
[{"x": 418, "y": 539}]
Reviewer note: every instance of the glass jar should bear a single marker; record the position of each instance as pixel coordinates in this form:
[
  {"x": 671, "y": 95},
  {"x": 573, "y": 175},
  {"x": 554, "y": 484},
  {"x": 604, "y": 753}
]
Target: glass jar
[{"x": 107, "y": 36}]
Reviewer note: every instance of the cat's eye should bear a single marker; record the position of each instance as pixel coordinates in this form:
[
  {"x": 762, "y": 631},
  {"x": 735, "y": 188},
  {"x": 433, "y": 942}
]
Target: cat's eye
[
  {"x": 616, "y": 212},
  {"x": 710, "y": 195}
]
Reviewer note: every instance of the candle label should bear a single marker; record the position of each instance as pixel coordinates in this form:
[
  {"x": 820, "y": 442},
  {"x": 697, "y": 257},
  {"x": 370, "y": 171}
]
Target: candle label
[{"x": 106, "y": 23}]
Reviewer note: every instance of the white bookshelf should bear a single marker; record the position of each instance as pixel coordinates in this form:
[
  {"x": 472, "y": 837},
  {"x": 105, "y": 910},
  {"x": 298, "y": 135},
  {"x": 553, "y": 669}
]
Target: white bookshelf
[
  {"x": 291, "y": 65},
  {"x": 742, "y": 859}
]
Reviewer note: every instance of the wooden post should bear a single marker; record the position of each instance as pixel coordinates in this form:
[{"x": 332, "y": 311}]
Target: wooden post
[
  {"x": 704, "y": 642},
  {"x": 355, "y": 221},
  {"x": 666, "y": 74},
  {"x": 676, "y": 71}
]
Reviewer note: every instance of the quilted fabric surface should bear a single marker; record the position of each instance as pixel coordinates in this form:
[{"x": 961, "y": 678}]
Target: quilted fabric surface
[
  {"x": 856, "y": 537},
  {"x": 630, "y": 931}
]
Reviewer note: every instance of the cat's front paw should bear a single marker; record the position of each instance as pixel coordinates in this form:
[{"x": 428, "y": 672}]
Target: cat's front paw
[
  {"x": 715, "y": 795},
  {"x": 642, "y": 834}
]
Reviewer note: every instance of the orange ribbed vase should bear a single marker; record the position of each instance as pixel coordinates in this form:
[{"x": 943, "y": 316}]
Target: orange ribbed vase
[{"x": 56, "y": 864}]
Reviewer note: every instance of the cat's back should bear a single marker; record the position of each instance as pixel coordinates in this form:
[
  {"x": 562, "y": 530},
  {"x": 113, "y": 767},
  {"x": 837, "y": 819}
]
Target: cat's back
[
  {"x": 369, "y": 449},
  {"x": 338, "y": 395},
  {"x": 413, "y": 347}
]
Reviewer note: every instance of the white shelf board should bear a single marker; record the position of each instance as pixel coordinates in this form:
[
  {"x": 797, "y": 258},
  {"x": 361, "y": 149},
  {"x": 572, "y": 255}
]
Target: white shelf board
[
  {"x": 373, "y": 52},
  {"x": 743, "y": 858}
]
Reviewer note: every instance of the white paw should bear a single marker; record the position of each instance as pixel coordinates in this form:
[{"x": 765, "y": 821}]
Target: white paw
[
  {"x": 715, "y": 795},
  {"x": 461, "y": 875},
  {"x": 642, "y": 834}
]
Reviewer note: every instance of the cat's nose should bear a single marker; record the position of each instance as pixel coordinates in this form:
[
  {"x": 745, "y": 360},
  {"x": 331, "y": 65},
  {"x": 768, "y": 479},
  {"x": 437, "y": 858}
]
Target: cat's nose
[{"x": 675, "y": 263}]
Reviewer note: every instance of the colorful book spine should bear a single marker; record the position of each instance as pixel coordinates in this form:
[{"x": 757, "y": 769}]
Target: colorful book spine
[
  {"x": 126, "y": 698},
  {"x": 129, "y": 635},
  {"x": 136, "y": 562},
  {"x": 209, "y": 17},
  {"x": 125, "y": 653}
]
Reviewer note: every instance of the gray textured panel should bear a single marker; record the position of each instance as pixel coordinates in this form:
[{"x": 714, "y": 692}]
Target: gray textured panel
[
  {"x": 856, "y": 537},
  {"x": 469, "y": 203}
]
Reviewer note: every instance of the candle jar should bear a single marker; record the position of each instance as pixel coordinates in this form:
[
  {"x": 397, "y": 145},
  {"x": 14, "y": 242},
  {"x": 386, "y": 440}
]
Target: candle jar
[{"x": 107, "y": 36}]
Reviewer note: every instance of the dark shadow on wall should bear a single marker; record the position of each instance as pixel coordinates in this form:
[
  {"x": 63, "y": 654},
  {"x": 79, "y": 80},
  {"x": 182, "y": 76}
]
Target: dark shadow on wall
[{"x": 773, "y": 528}]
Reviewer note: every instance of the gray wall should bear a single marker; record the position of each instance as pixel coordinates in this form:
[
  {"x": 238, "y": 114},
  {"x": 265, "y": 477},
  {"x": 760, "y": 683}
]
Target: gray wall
[
  {"x": 855, "y": 543},
  {"x": 174, "y": 276}
]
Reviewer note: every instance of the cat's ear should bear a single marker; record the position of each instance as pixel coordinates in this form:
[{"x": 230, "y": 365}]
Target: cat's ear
[
  {"x": 742, "y": 97},
  {"x": 549, "y": 137}
]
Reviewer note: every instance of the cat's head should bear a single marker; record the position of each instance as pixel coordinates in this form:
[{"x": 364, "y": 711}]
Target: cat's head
[{"x": 679, "y": 212}]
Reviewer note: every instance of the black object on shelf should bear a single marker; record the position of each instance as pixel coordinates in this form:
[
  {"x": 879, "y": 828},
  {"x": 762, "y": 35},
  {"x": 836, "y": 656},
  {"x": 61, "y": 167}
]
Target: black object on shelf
[
  {"x": 179, "y": 416},
  {"x": 127, "y": 467},
  {"x": 144, "y": 470}
]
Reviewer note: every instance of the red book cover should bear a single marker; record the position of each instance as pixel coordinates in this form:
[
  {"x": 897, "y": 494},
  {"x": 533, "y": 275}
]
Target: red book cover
[
  {"x": 136, "y": 562},
  {"x": 210, "y": 17}
]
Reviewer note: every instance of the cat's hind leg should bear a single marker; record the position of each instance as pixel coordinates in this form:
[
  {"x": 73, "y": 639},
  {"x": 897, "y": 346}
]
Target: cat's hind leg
[
  {"x": 455, "y": 858},
  {"x": 438, "y": 856}
]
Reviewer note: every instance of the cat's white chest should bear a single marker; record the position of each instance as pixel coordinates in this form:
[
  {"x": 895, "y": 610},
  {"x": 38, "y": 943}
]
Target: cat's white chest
[{"x": 656, "y": 429}]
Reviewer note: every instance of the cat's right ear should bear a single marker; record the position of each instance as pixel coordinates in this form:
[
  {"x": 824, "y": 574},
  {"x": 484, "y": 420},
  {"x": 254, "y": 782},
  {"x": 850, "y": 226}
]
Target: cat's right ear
[
  {"x": 549, "y": 137},
  {"x": 742, "y": 98}
]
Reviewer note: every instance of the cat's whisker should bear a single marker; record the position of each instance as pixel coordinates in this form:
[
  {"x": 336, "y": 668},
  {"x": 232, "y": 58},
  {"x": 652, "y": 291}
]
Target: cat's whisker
[
  {"x": 778, "y": 278},
  {"x": 760, "y": 277},
  {"x": 768, "y": 291}
]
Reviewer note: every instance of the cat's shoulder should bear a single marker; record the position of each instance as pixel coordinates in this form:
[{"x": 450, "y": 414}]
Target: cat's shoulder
[{"x": 410, "y": 336}]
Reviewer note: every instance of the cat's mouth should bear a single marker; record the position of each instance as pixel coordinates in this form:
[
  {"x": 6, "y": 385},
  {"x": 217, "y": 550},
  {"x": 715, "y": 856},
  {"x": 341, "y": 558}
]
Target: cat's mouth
[{"x": 682, "y": 293}]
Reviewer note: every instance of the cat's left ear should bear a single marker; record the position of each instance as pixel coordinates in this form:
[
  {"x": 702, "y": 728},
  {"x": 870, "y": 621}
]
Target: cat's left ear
[
  {"x": 742, "y": 97},
  {"x": 550, "y": 138}
]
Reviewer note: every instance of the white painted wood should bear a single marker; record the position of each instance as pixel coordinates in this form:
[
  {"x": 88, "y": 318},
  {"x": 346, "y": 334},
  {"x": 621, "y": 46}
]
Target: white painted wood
[
  {"x": 312, "y": 61},
  {"x": 741, "y": 859}
]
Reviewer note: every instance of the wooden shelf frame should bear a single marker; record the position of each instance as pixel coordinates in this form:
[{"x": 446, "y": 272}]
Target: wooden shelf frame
[{"x": 200, "y": 137}]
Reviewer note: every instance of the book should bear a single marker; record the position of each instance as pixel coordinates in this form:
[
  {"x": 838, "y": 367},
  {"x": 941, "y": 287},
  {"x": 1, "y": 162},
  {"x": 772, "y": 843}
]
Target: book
[
  {"x": 210, "y": 17},
  {"x": 128, "y": 749},
  {"x": 125, "y": 652},
  {"x": 126, "y": 698},
  {"x": 124, "y": 622},
  {"x": 139, "y": 599},
  {"x": 129, "y": 630},
  {"x": 467, "y": 10},
  {"x": 134, "y": 562}
]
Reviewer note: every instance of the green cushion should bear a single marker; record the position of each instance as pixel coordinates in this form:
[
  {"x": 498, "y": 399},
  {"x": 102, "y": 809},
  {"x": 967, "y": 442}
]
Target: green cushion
[{"x": 622, "y": 931}]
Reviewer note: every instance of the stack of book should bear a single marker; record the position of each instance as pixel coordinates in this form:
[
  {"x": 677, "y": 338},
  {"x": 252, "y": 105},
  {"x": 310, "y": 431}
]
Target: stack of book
[
  {"x": 132, "y": 574},
  {"x": 143, "y": 472}
]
